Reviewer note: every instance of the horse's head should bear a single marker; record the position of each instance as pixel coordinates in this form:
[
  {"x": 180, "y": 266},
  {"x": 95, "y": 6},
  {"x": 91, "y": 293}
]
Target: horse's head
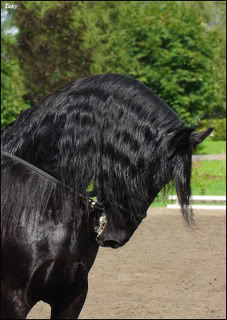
[
  {"x": 113, "y": 230},
  {"x": 113, "y": 130},
  {"x": 115, "y": 225}
]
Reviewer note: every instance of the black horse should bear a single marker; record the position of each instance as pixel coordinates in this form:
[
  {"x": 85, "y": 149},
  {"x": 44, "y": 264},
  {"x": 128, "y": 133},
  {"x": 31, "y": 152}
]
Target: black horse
[{"x": 109, "y": 134}]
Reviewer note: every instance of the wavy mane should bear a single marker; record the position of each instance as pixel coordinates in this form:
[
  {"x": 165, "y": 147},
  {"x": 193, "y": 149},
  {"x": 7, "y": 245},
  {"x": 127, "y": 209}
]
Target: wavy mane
[{"x": 109, "y": 129}]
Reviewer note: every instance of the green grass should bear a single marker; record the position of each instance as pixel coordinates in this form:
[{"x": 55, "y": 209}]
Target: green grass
[
  {"x": 210, "y": 146},
  {"x": 208, "y": 178}
]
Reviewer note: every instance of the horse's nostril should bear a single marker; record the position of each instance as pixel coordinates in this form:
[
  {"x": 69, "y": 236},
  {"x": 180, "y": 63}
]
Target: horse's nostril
[{"x": 111, "y": 243}]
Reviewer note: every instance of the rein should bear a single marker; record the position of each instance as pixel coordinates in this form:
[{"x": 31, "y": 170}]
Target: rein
[
  {"x": 30, "y": 166},
  {"x": 93, "y": 203}
]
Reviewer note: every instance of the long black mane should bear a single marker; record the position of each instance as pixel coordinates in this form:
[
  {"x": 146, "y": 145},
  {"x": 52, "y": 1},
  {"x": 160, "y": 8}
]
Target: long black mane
[{"x": 107, "y": 130}]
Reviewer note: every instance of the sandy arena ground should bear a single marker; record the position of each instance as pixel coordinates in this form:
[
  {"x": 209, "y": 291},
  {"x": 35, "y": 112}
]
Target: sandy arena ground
[{"x": 165, "y": 271}]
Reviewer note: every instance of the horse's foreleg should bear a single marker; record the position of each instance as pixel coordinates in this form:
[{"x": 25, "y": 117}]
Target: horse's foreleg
[
  {"x": 70, "y": 310},
  {"x": 15, "y": 308}
]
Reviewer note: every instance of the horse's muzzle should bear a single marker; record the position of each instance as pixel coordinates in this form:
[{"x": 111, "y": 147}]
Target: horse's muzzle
[{"x": 109, "y": 243}]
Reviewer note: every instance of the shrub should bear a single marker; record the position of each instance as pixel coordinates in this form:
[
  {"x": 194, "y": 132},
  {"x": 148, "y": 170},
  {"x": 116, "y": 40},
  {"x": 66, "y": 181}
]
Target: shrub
[
  {"x": 219, "y": 126},
  {"x": 12, "y": 91},
  {"x": 219, "y": 130}
]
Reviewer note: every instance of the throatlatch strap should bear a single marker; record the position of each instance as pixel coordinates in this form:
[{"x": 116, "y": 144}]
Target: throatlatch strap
[
  {"x": 30, "y": 166},
  {"x": 93, "y": 202}
]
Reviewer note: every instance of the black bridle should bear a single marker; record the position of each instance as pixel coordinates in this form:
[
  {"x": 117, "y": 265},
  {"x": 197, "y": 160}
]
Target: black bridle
[
  {"x": 33, "y": 168},
  {"x": 93, "y": 203}
]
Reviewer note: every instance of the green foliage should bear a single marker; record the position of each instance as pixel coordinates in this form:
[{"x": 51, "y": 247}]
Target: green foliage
[
  {"x": 213, "y": 14},
  {"x": 12, "y": 91},
  {"x": 163, "y": 45},
  {"x": 219, "y": 129},
  {"x": 219, "y": 126},
  {"x": 48, "y": 46},
  {"x": 176, "y": 48}
]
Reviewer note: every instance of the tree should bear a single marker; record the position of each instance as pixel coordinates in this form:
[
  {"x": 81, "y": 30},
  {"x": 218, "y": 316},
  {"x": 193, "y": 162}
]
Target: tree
[
  {"x": 48, "y": 46},
  {"x": 161, "y": 44},
  {"x": 175, "y": 47},
  {"x": 12, "y": 88},
  {"x": 213, "y": 14}
]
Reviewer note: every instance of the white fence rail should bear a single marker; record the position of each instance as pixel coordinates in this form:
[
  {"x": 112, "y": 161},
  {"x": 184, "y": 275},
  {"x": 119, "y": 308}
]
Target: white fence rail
[{"x": 201, "y": 199}]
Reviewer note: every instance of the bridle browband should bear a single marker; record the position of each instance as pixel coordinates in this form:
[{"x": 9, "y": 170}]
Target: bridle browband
[{"x": 93, "y": 203}]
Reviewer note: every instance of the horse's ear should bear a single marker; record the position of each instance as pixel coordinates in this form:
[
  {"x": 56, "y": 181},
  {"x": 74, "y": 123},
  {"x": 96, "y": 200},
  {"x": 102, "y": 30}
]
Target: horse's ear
[
  {"x": 185, "y": 135},
  {"x": 198, "y": 137},
  {"x": 180, "y": 139}
]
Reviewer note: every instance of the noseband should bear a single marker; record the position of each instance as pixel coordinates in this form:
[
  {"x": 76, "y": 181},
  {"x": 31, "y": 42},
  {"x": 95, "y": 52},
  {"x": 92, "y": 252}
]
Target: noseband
[{"x": 94, "y": 204}]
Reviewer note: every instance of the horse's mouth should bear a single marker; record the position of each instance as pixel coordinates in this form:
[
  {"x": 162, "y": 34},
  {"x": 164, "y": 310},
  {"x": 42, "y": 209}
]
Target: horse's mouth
[{"x": 98, "y": 229}]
